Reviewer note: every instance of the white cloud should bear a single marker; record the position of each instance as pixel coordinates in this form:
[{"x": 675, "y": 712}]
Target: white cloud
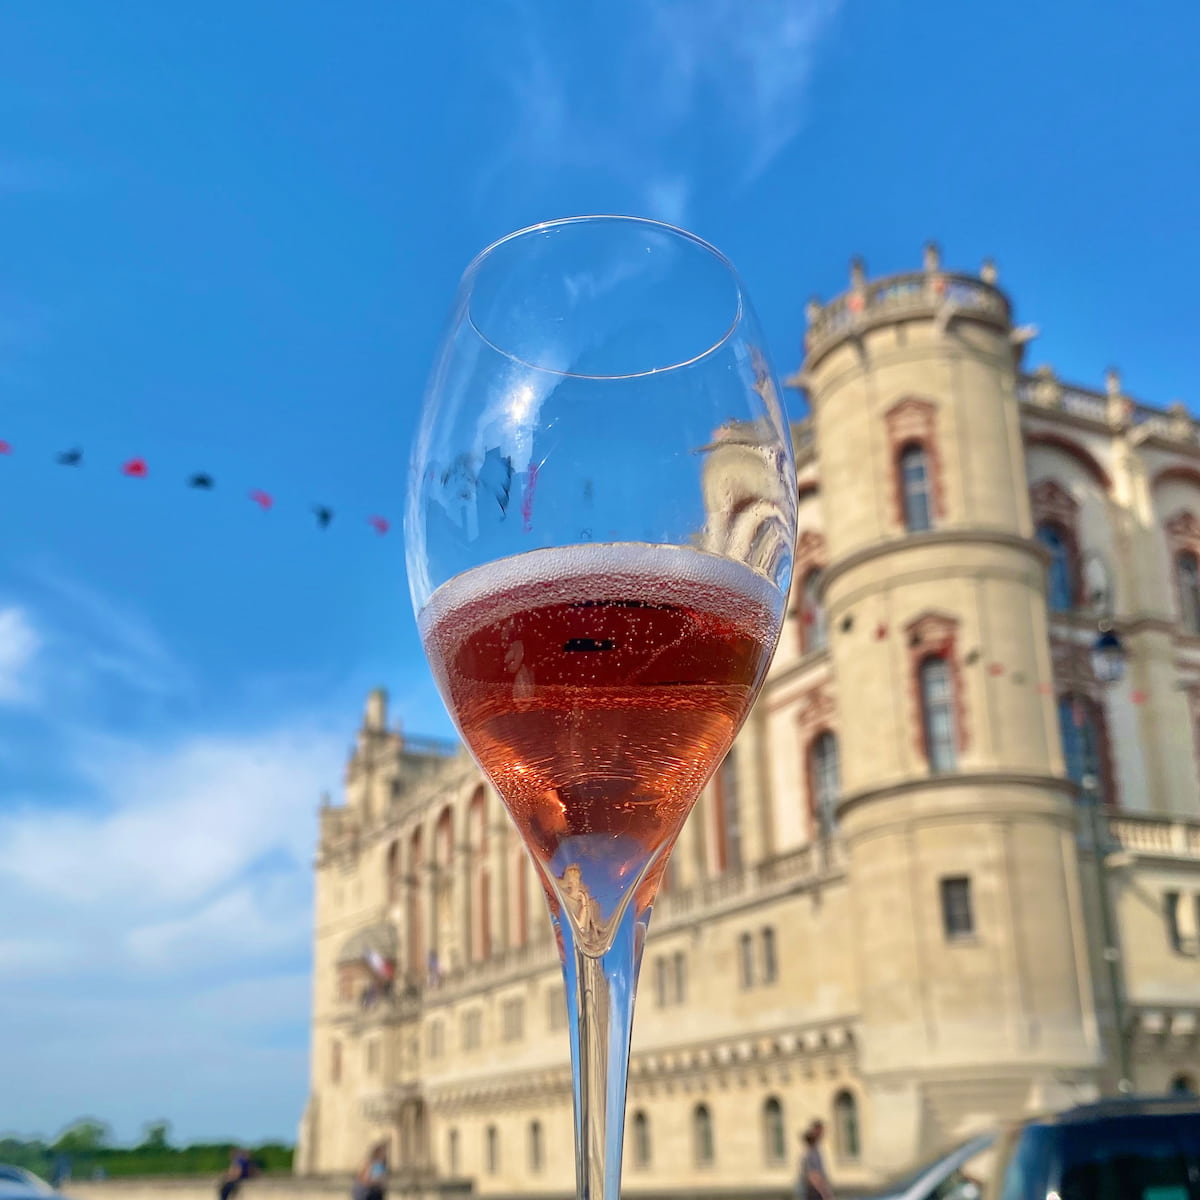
[
  {"x": 737, "y": 72},
  {"x": 19, "y": 645},
  {"x": 158, "y": 918}
]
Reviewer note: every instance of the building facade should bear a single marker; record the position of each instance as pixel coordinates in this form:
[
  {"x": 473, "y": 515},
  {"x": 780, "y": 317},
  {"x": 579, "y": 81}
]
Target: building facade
[{"x": 950, "y": 871}]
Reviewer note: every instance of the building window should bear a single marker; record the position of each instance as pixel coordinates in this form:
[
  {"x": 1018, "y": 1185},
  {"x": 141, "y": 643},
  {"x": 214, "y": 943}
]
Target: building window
[
  {"x": 729, "y": 833},
  {"x": 472, "y": 1029},
  {"x": 1061, "y": 589},
  {"x": 824, "y": 775},
  {"x": 371, "y": 1056},
  {"x": 770, "y": 961},
  {"x": 958, "y": 919},
  {"x": 556, "y": 1008},
  {"x": 937, "y": 714},
  {"x": 702, "y": 1135},
  {"x": 680, "y": 963},
  {"x": 512, "y": 1019},
  {"x": 845, "y": 1127},
  {"x": 434, "y": 1039},
  {"x": 492, "y": 1150},
  {"x": 535, "y": 1145},
  {"x": 914, "y": 488},
  {"x": 392, "y": 872},
  {"x": 1183, "y": 1085},
  {"x": 641, "y": 1140},
  {"x": 746, "y": 959},
  {"x": 660, "y": 981},
  {"x": 1171, "y": 916},
  {"x": 1083, "y": 744},
  {"x": 521, "y": 921},
  {"x": 1187, "y": 580},
  {"x": 452, "y": 1152},
  {"x": 774, "y": 1140},
  {"x": 815, "y": 635},
  {"x": 335, "y": 1063}
]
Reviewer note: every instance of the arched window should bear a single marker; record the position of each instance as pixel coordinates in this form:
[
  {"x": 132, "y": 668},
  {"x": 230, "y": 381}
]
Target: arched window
[
  {"x": 1187, "y": 580},
  {"x": 335, "y": 1063},
  {"x": 452, "y": 1153},
  {"x": 770, "y": 960},
  {"x": 1061, "y": 578},
  {"x": 845, "y": 1127},
  {"x": 774, "y": 1139},
  {"x": 746, "y": 959},
  {"x": 824, "y": 781},
  {"x": 492, "y": 1150},
  {"x": 521, "y": 907},
  {"x": 535, "y": 1145},
  {"x": 937, "y": 714},
  {"x": 416, "y": 905},
  {"x": 815, "y": 632},
  {"x": 914, "y": 488},
  {"x": 1183, "y": 1085},
  {"x": 729, "y": 830},
  {"x": 641, "y": 1139},
  {"x": 391, "y": 870},
  {"x": 1079, "y": 725},
  {"x": 443, "y": 838},
  {"x": 702, "y": 1135}
]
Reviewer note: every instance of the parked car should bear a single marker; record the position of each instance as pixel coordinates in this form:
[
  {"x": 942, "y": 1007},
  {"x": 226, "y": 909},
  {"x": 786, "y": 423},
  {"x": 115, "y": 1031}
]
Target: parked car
[
  {"x": 1124, "y": 1149},
  {"x": 18, "y": 1184},
  {"x": 945, "y": 1178}
]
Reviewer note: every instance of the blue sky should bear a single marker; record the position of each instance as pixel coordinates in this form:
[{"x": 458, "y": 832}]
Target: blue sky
[{"x": 229, "y": 234}]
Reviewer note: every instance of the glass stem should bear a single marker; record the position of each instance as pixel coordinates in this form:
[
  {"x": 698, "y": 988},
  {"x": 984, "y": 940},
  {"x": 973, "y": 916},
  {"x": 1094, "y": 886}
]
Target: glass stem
[{"x": 600, "y": 987}]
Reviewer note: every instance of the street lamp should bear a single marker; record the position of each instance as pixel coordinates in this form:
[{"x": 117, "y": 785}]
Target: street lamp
[{"x": 1108, "y": 665}]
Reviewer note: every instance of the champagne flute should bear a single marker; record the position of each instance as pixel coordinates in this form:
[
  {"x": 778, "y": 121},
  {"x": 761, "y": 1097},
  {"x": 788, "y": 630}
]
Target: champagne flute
[{"x": 599, "y": 531}]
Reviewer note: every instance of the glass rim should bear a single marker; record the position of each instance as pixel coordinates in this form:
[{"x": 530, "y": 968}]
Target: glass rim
[{"x": 615, "y": 219}]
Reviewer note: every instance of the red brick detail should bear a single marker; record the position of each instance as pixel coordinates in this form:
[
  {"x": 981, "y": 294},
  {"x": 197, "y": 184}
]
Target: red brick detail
[
  {"x": 935, "y": 635},
  {"x": 1074, "y": 450},
  {"x": 913, "y": 422}
]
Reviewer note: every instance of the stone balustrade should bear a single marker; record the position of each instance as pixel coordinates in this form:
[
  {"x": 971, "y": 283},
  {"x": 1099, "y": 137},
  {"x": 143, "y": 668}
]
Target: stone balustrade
[
  {"x": 901, "y": 297},
  {"x": 1155, "y": 837}
]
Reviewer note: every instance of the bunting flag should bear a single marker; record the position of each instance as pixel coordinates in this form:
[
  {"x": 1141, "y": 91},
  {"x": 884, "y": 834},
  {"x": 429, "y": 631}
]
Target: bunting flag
[
  {"x": 138, "y": 467},
  {"x": 881, "y": 631},
  {"x": 1138, "y": 696},
  {"x": 996, "y": 668}
]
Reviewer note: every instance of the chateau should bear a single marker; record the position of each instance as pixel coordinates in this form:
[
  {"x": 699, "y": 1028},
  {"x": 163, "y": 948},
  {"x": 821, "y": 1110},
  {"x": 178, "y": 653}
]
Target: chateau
[{"x": 949, "y": 872}]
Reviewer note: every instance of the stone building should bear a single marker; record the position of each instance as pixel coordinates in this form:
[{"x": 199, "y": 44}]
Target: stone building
[{"x": 950, "y": 870}]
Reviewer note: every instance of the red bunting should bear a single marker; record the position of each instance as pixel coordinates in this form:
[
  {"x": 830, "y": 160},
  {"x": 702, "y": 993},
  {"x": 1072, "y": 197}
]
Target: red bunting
[
  {"x": 995, "y": 668},
  {"x": 136, "y": 468},
  {"x": 5, "y": 447},
  {"x": 380, "y": 524},
  {"x": 1046, "y": 689},
  {"x": 264, "y": 500},
  {"x": 881, "y": 631},
  {"x": 1138, "y": 696}
]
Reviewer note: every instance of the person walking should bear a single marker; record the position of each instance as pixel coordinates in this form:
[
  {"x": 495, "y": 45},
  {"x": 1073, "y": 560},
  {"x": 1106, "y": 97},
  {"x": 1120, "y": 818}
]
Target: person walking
[
  {"x": 812, "y": 1182},
  {"x": 239, "y": 1170},
  {"x": 371, "y": 1181}
]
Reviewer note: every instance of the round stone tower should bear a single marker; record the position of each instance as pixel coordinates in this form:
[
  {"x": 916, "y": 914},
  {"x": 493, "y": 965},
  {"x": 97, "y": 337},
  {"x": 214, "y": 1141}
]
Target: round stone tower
[{"x": 957, "y": 821}]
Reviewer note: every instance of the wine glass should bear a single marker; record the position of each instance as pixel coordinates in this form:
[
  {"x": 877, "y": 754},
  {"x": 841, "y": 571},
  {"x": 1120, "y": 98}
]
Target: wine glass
[{"x": 599, "y": 531}]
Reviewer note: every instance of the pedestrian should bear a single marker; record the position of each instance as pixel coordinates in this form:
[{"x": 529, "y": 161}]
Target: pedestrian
[
  {"x": 239, "y": 1170},
  {"x": 371, "y": 1181},
  {"x": 812, "y": 1183}
]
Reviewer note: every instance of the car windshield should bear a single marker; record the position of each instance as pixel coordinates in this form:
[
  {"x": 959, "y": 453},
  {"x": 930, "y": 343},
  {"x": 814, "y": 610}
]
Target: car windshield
[
  {"x": 959, "y": 1155},
  {"x": 1135, "y": 1158}
]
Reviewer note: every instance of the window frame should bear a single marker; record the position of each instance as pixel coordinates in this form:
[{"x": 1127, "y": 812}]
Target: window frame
[
  {"x": 941, "y": 749},
  {"x": 774, "y": 1132},
  {"x": 956, "y": 897},
  {"x": 822, "y": 813},
  {"x": 909, "y": 449},
  {"x": 704, "y": 1143}
]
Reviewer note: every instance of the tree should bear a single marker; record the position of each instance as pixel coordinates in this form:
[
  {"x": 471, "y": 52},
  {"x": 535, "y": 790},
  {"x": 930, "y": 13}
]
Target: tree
[
  {"x": 155, "y": 1135},
  {"x": 82, "y": 1137}
]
